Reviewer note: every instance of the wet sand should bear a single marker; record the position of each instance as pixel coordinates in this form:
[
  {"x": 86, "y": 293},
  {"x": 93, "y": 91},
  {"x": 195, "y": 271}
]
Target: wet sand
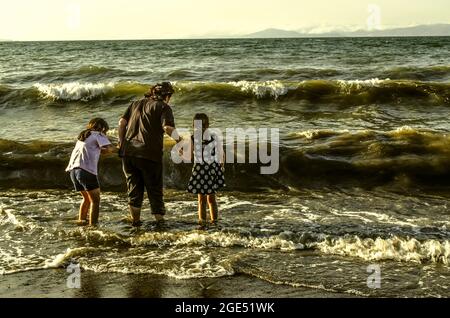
[{"x": 52, "y": 284}]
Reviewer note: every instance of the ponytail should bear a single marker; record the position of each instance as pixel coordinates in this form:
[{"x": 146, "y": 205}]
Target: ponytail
[
  {"x": 85, "y": 134},
  {"x": 96, "y": 124}
]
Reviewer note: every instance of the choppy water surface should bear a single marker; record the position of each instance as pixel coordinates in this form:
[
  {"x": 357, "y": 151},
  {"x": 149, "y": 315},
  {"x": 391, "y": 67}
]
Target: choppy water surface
[
  {"x": 322, "y": 240},
  {"x": 364, "y": 175}
]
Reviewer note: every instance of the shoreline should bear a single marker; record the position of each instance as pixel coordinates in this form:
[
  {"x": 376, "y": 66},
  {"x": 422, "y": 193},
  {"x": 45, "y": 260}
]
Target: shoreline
[{"x": 52, "y": 284}]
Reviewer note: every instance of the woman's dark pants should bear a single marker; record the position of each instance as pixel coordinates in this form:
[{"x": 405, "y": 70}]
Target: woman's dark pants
[{"x": 141, "y": 175}]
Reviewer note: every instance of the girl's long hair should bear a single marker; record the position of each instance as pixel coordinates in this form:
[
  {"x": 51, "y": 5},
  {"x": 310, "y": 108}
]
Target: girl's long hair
[
  {"x": 96, "y": 124},
  {"x": 204, "y": 118}
]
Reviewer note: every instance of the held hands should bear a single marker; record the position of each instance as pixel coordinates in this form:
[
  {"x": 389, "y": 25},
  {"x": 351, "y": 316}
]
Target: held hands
[{"x": 108, "y": 150}]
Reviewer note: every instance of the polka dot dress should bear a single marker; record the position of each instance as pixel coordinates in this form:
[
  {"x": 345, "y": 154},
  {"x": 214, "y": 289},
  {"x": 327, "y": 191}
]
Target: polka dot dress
[{"x": 207, "y": 178}]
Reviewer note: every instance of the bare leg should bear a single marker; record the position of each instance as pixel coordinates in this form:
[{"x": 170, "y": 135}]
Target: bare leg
[
  {"x": 202, "y": 209},
  {"x": 213, "y": 208},
  {"x": 94, "y": 197},
  {"x": 135, "y": 214},
  {"x": 84, "y": 209}
]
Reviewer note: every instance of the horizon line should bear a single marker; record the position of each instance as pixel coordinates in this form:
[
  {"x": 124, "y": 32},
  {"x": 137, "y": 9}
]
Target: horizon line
[
  {"x": 234, "y": 38},
  {"x": 327, "y": 34}
]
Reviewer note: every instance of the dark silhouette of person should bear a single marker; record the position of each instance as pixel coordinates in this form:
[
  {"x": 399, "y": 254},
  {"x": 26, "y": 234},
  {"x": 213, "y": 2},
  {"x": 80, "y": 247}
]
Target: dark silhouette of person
[{"x": 141, "y": 141}]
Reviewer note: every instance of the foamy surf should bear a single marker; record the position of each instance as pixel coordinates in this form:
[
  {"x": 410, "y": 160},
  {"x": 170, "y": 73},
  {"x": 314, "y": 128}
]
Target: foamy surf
[
  {"x": 185, "y": 253},
  {"x": 178, "y": 264},
  {"x": 273, "y": 89},
  {"x": 69, "y": 256},
  {"x": 216, "y": 239},
  {"x": 396, "y": 249},
  {"x": 349, "y": 85},
  {"x": 308, "y": 243},
  {"x": 74, "y": 91},
  {"x": 345, "y": 92},
  {"x": 407, "y": 156}
]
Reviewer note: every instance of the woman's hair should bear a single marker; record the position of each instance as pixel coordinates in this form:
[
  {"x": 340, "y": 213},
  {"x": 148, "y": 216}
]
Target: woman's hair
[
  {"x": 96, "y": 124},
  {"x": 160, "y": 91},
  {"x": 204, "y": 118}
]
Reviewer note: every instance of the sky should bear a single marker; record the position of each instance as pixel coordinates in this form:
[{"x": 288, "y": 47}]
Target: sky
[{"x": 33, "y": 20}]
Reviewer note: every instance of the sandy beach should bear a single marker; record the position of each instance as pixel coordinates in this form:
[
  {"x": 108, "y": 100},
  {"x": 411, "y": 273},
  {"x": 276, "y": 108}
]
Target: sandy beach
[{"x": 52, "y": 284}]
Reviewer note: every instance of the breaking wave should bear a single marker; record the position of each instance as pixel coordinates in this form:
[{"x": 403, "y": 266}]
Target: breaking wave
[
  {"x": 406, "y": 157},
  {"x": 396, "y": 249},
  {"x": 183, "y": 256},
  {"x": 354, "y": 92},
  {"x": 73, "y": 91}
]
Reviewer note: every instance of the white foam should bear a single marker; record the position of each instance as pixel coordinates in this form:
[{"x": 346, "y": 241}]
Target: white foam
[
  {"x": 179, "y": 264},
  {"x": 409, "y": 130},
  {"x": 74, "y": 91},
  {"x": 312, "y": 134},
  {"x": 9, "y": 217},
  {"x": 113, "y": 133},
  {"x": 369, "y": 82},
  {"x": 347, "y": 86},
  {"x": 262, "y": 89},
  {"x": 13, "y": 261},
  {"x": 60, "y": 259},
  {"x": 373, "y": 217},
  {"x": 397, "y": 249},
  {"x": 217, "y": 239}
]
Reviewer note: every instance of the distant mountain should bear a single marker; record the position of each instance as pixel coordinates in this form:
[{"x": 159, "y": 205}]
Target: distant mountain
[
  {"x": 274, "y": 33},
  {"x": 420, "y": 30}
]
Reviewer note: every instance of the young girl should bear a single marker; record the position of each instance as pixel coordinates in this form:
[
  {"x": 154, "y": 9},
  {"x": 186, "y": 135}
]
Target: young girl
[
  {"x": 83, "y": 167},
  {"x": 207, "y": 174}
]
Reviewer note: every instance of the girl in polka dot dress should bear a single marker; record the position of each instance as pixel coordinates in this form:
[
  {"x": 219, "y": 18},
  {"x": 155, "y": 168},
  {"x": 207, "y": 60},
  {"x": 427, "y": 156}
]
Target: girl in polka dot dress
[{"x": 208, "y": 171}]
